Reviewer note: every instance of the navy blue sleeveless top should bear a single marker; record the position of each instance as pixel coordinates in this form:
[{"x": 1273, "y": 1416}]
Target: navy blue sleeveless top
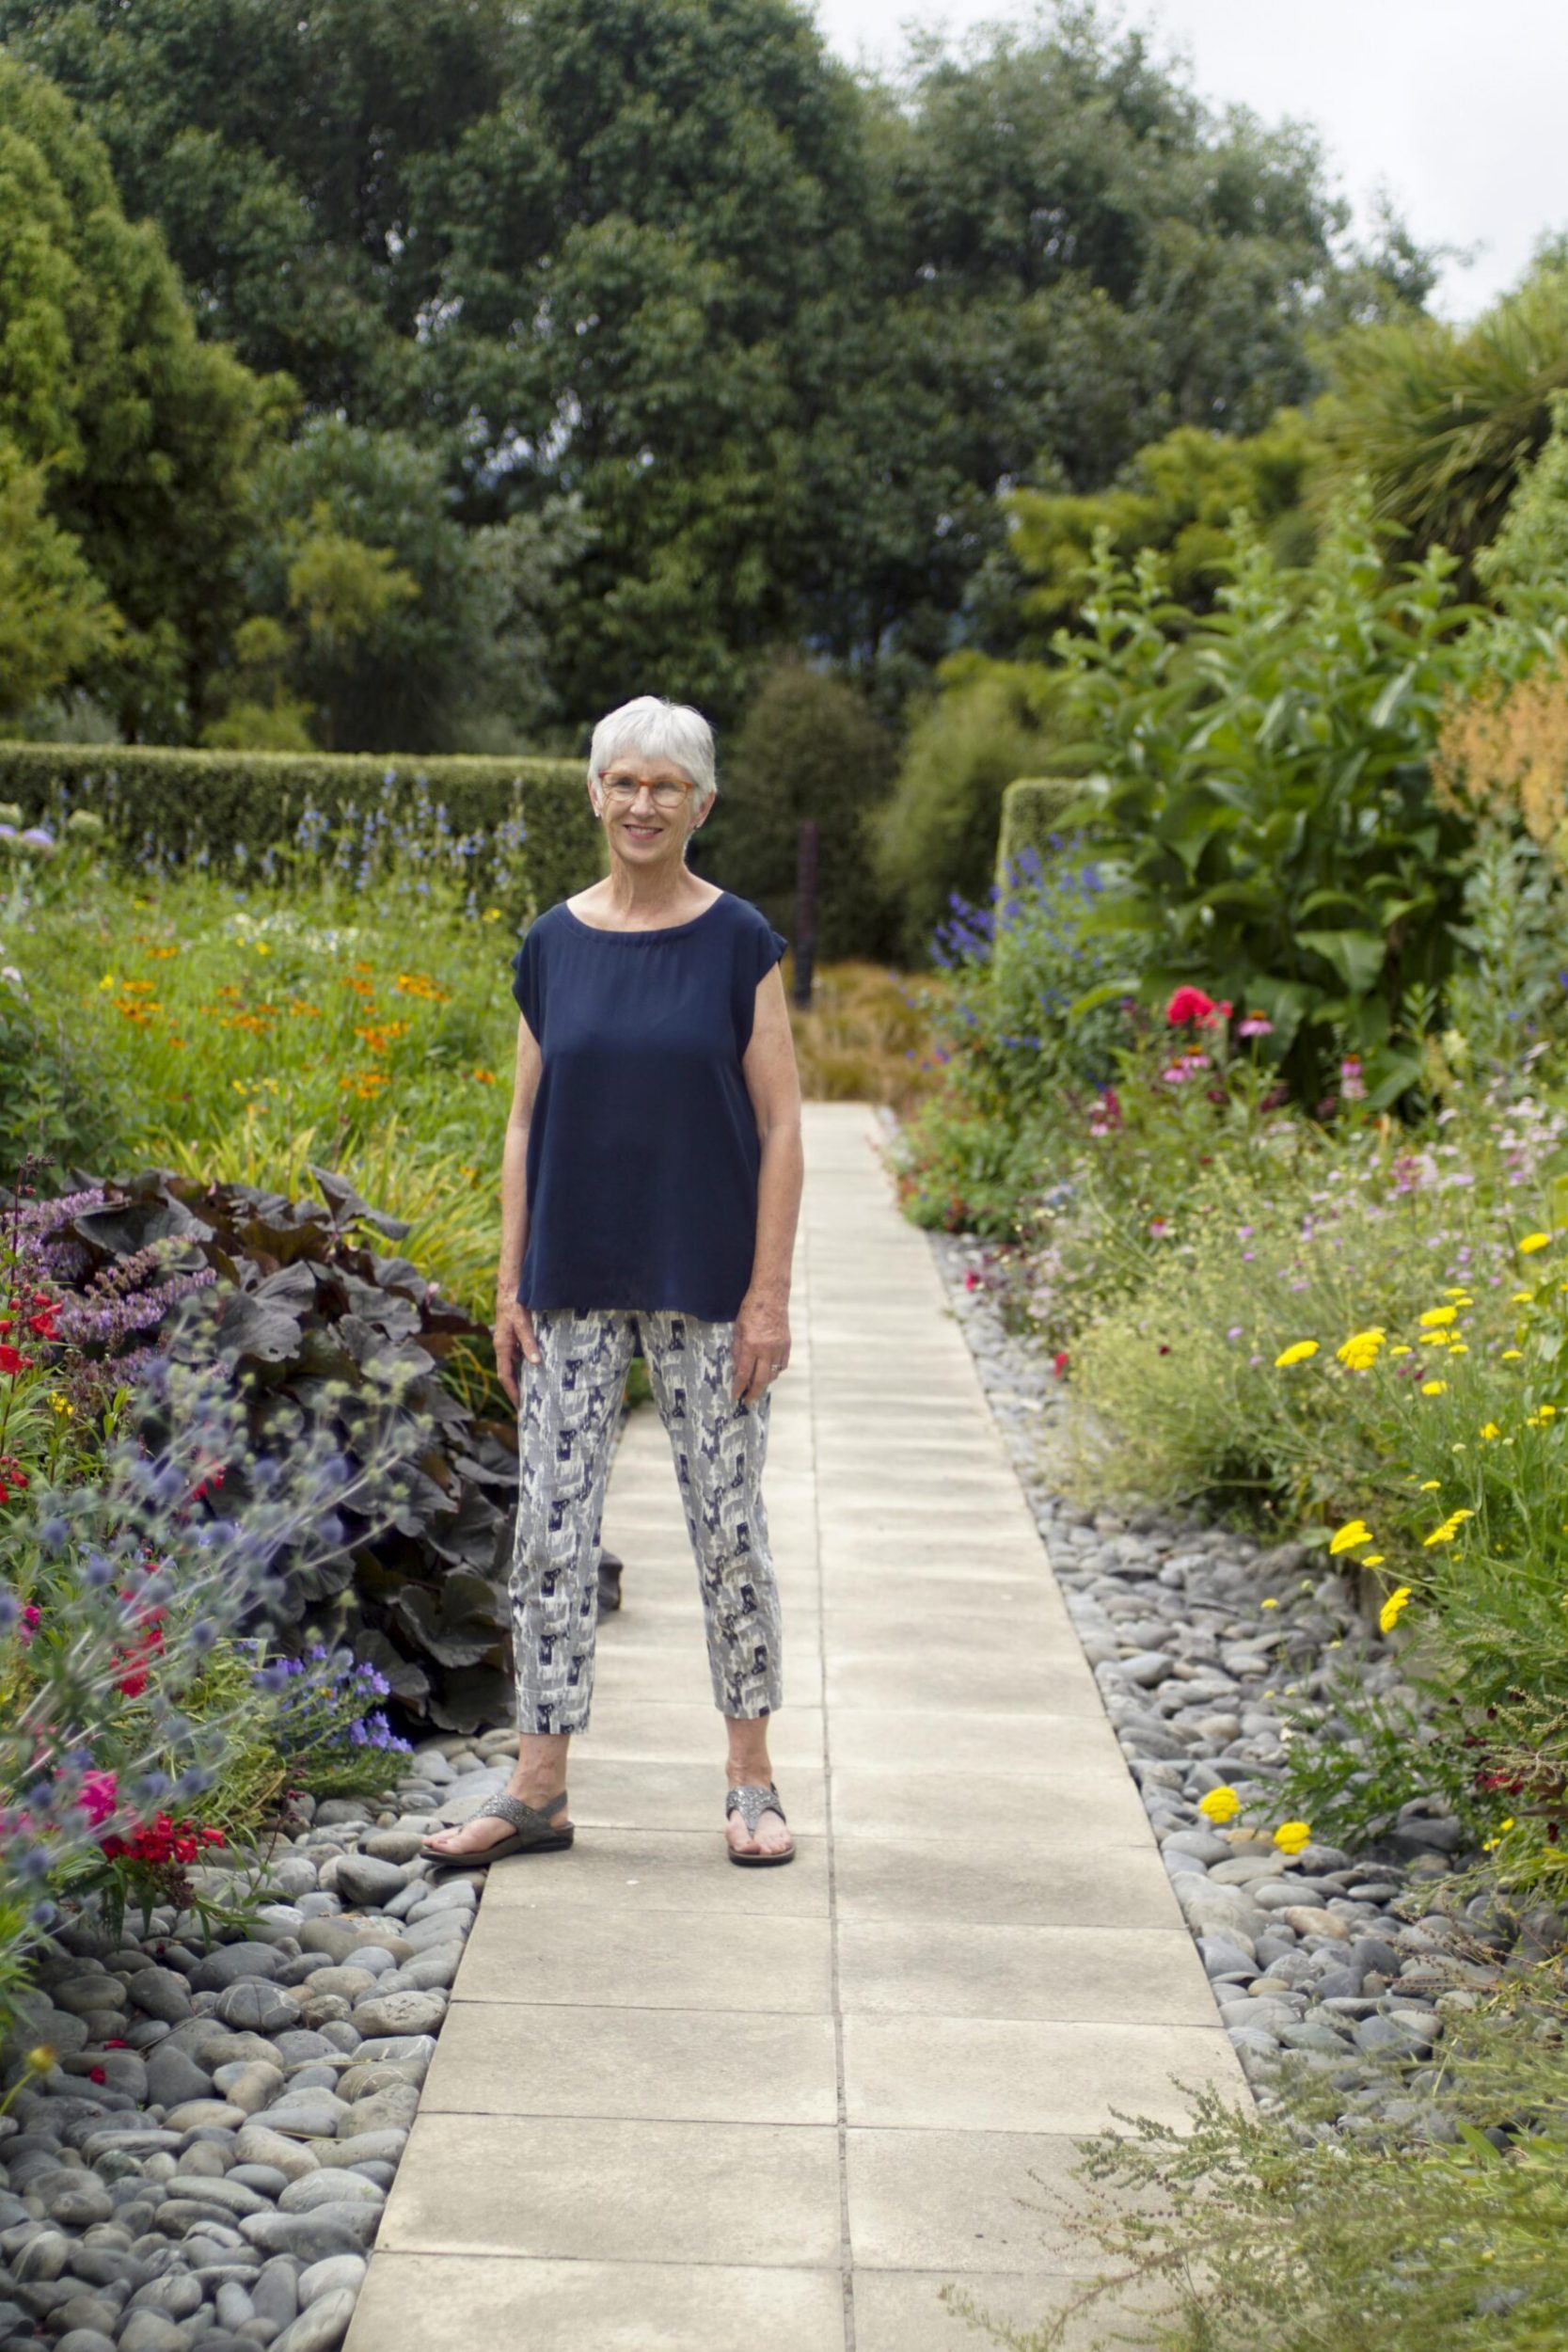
[{"x": 643, "y": 1150}]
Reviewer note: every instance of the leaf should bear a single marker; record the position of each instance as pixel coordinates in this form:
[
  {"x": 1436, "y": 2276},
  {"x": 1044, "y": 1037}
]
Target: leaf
[
  {"x": 248, "y": 1326},
  {"x": 1356, "y": 956},
  {"x": 1108, "y": 993},
  {"x": 348, "y": 1208},
  {"x": 1392, "y": 695}
]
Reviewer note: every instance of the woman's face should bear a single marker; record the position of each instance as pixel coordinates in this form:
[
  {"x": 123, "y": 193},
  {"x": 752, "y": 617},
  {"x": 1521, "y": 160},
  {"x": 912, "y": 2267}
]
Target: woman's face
[{"x": 648, "y": 810}]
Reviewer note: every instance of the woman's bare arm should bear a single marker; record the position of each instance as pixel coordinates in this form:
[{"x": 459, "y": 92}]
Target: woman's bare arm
[
  {"x": 762, "y": 1326},
  {"x": 514, "y": 1323}
]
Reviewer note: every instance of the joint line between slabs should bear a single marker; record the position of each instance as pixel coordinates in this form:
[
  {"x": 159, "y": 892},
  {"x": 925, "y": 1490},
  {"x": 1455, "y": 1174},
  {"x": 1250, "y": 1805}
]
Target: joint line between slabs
[{"x": 846, "y": 2255}]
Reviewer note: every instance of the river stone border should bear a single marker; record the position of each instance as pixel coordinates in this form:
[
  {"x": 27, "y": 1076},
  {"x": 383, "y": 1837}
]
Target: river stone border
[
  {"x": 1345, "y": 1965},
  {"x": 204, "y": 2166}
]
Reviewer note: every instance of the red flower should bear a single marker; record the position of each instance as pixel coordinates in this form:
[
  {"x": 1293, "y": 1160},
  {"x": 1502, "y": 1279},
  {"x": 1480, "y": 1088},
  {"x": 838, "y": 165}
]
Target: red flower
[
  {"x": 13, "y": 1360},
  {"x": 97, "y": 2074},
  {"x": 1059, "y": 1363},
  {"x": 1191, "y": 1005}
]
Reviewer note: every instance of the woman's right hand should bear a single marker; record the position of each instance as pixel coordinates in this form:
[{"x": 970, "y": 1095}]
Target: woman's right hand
[{"x": 514, "y": 1335}]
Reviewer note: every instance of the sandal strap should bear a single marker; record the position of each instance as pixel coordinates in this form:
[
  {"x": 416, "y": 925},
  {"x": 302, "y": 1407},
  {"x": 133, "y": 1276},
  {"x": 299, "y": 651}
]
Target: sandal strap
[
  {"x": 522, "y": 1816},
  {"x": 750, "y": 1800}
]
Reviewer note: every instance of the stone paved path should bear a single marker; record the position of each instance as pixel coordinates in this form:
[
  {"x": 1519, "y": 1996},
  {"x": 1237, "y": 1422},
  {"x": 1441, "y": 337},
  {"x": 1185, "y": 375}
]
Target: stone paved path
[{"x": 682, "y": 2107}]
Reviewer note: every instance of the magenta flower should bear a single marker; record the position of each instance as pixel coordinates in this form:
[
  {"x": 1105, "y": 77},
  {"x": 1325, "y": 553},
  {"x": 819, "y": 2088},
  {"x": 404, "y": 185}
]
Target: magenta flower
[{"x": 98, "y": 1796}]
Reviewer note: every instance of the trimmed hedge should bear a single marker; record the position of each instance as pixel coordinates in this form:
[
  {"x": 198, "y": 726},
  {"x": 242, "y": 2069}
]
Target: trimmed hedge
[
  {"x": 531, "y": 835},
  {"x": 1032, "y": 811}
]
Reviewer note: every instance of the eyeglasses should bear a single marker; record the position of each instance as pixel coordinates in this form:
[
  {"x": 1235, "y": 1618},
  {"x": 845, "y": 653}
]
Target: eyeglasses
[{"x": 625, "y": 789}]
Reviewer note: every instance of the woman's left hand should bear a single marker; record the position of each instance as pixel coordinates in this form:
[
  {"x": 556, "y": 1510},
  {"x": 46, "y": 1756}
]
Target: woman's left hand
[{"x": 761, "y": 1346}]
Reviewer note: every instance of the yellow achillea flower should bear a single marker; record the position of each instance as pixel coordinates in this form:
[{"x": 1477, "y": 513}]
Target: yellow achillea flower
[
  {"x": 1533, "y": 1242},
  {"x": 1387, "y": 1616},
  {"x": 1292, "y": 1835},
  {"x": 1434, "y": 1316},
  {"x": 1360, "y": 1351},
  {"x": 1459, "y": 1293},
  {"x": 1427, "y": 1484},
  {"x": 1459, "y": 1348},
  {"x": 1523, "y": 1298},
  {"x": 1350, "y": 1537},
  {"x": 1435, "y": 1339},
  {"x": 1372, "y": 1559},
  {"x": 1511, "y": 1354},
  {"x": 1220, "y": 1804},
  {"x": 1401, "y": 1350},
  {"x": 1296, "y": 1353},
  {"x": 1434, "y": 1388},
  {"x": 1490, "y": 1429}
]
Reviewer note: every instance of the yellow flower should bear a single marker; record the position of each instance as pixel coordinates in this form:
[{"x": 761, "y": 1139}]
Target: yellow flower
[
  {"x": 1434, "y": 1316},
  {"x": 1373, "y": 1559},
  {"x": 261, "y": 948},
  {"x": 1490, "y": 1429},
  {"x": 1523, "y": 1298},
  {"x": 1220, "y": 1804},
  {"x": 1533, "y": 1242},
  {"x": 1350, "y": 1537},
  {"x": 1387, "y": 1616},
  {"x": 1401, "y": 1350},
  {"x": 1292, "y": 1835},
  {"x": 1429, "y": 1485},
  {"x": 39, "y": 2058},
  {"x": 1460, "y": 1294},
  {"x": 107, "y": 983},
  {"x": 1548, "y": 1412},
  {"x": 1360, "y": 1351},
  {"x": 1268, "y": 1604},
  {"x": 1444, "y": 1535},
  {"x": 1434, "y": 1388},
  {"x": 1296, "y": 1353},
  {"x": 491, "y": 914},
  {"x": 1511, "y": 1354},
  {"x": 1508, "y": 1824},
  {"x": 1435, "y": 1339}
]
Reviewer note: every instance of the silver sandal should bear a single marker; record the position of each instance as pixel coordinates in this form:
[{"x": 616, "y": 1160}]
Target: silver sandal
[
  {"x": 531, "y": 1834},
  {"x": 752, "y": 1800}
]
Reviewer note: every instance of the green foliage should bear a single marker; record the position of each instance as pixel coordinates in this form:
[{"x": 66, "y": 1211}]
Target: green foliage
[
  {"x": 809, "y": 747},
  {"x": 1033, "y": 808},
  {"x": 269, "y": 812},
  {"x": 669, "y": 258},
  {"x": 1273, "y": 2232},
  {"x": 936, "y": 834},
  {"x": 1266, "y": 794},
  {"x": 975, "y": 1155},
  {"x": 1526, "y": 566},
  {"x": 1442, "y": 421},
  {"x": 143, "y": 432},
  {"x": 57, "y": 622},
  {"x": 1179, "y": 497}
]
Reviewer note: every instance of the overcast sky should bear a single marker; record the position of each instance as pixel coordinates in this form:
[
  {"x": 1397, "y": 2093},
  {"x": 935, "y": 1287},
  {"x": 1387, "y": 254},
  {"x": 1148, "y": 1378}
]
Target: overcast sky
[{"x": 1457, "y": 109}]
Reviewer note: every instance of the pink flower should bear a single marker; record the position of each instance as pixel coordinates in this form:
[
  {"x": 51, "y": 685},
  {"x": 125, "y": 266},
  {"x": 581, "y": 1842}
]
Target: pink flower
[
  {"x": 1059, "y": 1363},
  {"x": 1255, "y": 1024},
  {"x": 1189, "y": 1004},
  {"x": 32, "y": 1617},
  {"x": 1352, "y": 1085},
  {"x": 98, "y": 1796}
]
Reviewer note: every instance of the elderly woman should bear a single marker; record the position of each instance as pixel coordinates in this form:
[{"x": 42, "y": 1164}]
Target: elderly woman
[{"x": 649, "y": 1193}]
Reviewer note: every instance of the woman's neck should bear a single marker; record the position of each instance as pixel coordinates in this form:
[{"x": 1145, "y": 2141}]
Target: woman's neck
[{"x": 637, "y": 894}]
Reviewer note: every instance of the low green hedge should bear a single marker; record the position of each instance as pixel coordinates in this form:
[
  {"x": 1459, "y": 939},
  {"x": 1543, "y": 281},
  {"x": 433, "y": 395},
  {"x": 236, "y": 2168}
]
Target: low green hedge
[
  {"x": 1032, "y": 812},
  {"x": 530, "y": 834}
]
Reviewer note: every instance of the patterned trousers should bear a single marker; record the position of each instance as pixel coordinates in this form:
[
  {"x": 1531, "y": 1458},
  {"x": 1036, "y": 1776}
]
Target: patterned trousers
[{"x": 565, "y": 1430}]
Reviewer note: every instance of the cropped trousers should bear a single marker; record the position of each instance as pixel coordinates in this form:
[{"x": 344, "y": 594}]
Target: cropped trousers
[{"x": 570, "y": 1403}]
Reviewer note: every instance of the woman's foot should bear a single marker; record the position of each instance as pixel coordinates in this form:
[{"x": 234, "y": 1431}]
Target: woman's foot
[
  {"x": 771, "y": 1836},
  {"x": 488, "y": 1828}
]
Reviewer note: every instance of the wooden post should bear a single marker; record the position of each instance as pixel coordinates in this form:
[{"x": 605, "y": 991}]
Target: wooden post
[{"x": 805, "y": 911}]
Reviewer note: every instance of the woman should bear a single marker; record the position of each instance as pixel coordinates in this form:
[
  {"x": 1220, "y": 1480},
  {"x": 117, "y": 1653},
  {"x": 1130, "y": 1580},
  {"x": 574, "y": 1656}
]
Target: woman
[{"x": 650, "y": 1187}]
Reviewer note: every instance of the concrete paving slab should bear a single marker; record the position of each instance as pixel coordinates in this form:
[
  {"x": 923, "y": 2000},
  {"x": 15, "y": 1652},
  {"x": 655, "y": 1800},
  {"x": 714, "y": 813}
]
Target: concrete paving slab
[
  {"x": 669, "y": 1870},
  {"x": 585, "y": 2190},
  {"x": 731, "y": 2066},
  {"x": 553, "y": 1951},
  {"x": 416, "y": 2302},
  {"x": 1024, "y": 2074}
]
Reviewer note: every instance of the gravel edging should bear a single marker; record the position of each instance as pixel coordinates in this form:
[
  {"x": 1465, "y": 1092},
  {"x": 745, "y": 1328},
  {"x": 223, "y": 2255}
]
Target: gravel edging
[
  {"x": 1347, "y": 1966},
  {"x": 204, "y": 2166}
]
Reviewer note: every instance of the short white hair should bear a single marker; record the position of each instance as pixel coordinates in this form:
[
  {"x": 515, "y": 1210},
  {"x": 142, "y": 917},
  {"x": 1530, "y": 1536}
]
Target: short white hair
[{"x": 658, "y": 730}]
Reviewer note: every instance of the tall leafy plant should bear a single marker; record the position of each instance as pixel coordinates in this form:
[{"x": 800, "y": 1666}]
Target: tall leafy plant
[{"x": 1264, "y": 799}]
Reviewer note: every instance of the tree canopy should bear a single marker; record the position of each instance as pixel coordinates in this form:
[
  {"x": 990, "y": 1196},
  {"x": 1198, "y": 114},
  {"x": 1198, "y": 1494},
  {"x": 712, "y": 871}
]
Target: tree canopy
[{"x": 747, "y": 346}]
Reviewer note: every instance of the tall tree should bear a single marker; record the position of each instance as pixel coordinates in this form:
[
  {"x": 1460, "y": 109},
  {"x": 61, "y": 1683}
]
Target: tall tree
[{"x": 145, "y": 434}]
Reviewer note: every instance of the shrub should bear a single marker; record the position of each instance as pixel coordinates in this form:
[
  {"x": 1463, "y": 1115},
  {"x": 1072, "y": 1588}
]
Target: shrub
[
  {"x": 809, "y": 746},
  {"x": 517, "y": 831},
  {"x": 1267, "y": 800},
  {"x": 937, "y": 832},
  {"x": 1033, "y": 810},
  {"x": 310, "y": 1324}
]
